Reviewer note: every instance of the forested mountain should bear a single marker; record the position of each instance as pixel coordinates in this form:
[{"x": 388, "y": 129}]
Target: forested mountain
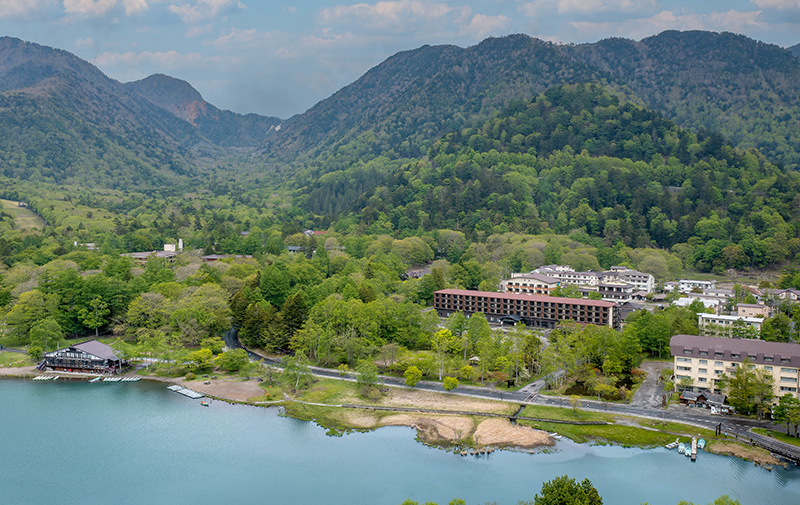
[
  {"x": 747, "y": 90},
  {"x": 222, "y": 127},
  {"x": 63, "y": 120},
  {"x": 795, "y": 50},
  {"x": 577, "y": 159}
]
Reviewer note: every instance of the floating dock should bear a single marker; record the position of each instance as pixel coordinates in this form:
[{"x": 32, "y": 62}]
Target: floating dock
[
  {"x": 694, "y": 448},
  {"x": 186, "y": 392}
]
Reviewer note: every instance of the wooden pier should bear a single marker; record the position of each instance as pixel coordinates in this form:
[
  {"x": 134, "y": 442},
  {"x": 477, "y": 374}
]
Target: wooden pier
[
  {"x": 694, "y": 448},
  {"x": 186, "y": 392}
]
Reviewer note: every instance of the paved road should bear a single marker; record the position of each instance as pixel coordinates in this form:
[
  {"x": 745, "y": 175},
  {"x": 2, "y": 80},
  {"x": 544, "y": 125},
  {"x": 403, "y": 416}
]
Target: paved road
[
  {"x": 651, "y": 393},
  {"x": 529, "y": 395}
]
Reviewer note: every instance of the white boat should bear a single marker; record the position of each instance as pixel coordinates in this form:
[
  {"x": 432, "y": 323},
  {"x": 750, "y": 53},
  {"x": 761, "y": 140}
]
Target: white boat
[
  {"x": 701, "y": 443},
  {"x": 681, "y": 448},
  {"x": 672, "y": 445},
  {"x": 96, "y": 379}
]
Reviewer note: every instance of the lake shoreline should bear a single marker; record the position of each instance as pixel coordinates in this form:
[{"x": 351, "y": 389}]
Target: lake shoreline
[{"x": 464, "y": 434}]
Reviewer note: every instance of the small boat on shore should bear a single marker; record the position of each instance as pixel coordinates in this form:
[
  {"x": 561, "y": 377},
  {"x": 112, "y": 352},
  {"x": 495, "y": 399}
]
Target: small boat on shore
[
  {"x": 96, "y": 379},
  {"x": 681, "y": 448},
  {"x": 672, "y": 445},
  {"x": 701, "y": 443}
]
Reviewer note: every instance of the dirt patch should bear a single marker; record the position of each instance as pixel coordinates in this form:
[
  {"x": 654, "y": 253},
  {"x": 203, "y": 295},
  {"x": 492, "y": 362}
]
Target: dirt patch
[
  {"x": 22, "y": 371},
  {"x": 434, "y": 429},
  {"x": 232, "y": 389},
  {"x": 754, "y": 454},
  {"x": 500, "y": 432},
  {"x": 427, "y": 400}
]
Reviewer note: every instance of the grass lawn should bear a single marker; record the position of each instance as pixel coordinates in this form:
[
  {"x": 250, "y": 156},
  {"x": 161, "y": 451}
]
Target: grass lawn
[
  {"x": 24, "y": 219},
  {"x": 783, "y": 437},
  {"x": 14, "y": 359},
  {"x": 560, "y": 414}
]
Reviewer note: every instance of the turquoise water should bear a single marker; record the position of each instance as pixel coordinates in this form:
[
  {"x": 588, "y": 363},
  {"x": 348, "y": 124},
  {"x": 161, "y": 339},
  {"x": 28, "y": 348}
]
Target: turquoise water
[{"x": 77, "y": 443}]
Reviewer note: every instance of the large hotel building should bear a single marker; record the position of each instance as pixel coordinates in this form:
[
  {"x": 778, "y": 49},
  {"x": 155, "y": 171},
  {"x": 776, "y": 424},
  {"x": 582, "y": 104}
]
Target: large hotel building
[
  {"x": 706, "y": 360},
  {"x": 533, "y": 310}
]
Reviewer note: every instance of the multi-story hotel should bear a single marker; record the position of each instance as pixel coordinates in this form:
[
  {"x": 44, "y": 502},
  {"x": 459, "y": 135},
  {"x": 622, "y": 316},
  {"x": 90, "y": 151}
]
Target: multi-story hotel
[
  {"x": 729, "y": 326},
  {"x": 533, "y": 310},
  {"x": 705, "y": 360},
  {"x": 532, "y": 283}
]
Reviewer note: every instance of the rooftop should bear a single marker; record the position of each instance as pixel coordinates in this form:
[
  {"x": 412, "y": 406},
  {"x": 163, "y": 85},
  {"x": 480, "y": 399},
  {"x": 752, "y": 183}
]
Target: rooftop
[{"x": 527, "y": 297}]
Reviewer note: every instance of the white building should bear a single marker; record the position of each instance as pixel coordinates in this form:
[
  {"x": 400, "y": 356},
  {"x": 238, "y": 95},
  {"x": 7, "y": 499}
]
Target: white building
[
  {"x": 728, "y": 326},
  {"x": 687, "y": 285},
  {"x": 568, "y": 275},
  {"x": 640, "y": 280},
  {"x": 531, "y": 283}
]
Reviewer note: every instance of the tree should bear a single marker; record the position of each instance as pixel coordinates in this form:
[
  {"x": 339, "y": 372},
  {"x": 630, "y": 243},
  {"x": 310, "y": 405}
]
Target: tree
[
  {"x": 565, "y": 490},
  {"x": 46, "y": 334},
  {"x": 788, "y": 411},
  {"x": 296, "y": 369},
  {"x": 450, "y": 383},
  {"x": 749, "y": 389},
  {"x": 412, "y": 375},
  {"x": 95, "y": 315},
  {"x": 201, "y": 359},
  {"x": 442, "y": 342},
  {"x": 458, "y": 324},
  {"x": 367, "y": 376},
  {"x": 232, "y": 360}
]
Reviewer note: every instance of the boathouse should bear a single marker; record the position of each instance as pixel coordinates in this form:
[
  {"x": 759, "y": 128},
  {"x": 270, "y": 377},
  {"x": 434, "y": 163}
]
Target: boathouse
[{"x": 90, "y": 356}]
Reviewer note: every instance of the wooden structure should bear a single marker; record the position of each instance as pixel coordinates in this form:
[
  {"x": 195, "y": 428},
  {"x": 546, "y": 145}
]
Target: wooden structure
[{"x": 90, "y": 356}]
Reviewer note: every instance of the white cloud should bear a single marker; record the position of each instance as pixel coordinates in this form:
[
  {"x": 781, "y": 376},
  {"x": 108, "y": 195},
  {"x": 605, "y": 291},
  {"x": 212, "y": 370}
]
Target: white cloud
[
  {"x": 89, "y": 7},
  {"x": 134, "y": 6},
  {"x": 777, "y": 4},
  {"x": 10, "y": 8},
  {"x": 195, "y": 31},
  {"x": 585, "y": 6},
  {"x": 201, "y": 10},
  {"x": 666, "y": 20},
  {"x": 481, "y": 26},
  {"x": 86, "y": 43},
  {"x": 394, "y": 16},
  {"x": 165, "y": 60}
]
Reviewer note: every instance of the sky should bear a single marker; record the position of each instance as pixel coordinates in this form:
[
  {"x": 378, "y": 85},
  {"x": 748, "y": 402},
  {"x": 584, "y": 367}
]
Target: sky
[{"x": 279, "y": 58}]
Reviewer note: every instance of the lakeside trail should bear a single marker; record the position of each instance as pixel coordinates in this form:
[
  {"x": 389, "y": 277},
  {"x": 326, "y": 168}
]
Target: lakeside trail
[{"x": 407, "y": 407}]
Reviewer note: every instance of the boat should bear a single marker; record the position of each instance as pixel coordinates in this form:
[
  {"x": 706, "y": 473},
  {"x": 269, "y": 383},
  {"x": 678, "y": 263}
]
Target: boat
[
  {"x": 701, "y": 443},
  {"x": 96, "y": 379},
  {"x": 205, "y": 403},
  {"x": 672, "y": 445},
  {"x": 681, "y": 448},
  {"x": 555, "y": 435}
]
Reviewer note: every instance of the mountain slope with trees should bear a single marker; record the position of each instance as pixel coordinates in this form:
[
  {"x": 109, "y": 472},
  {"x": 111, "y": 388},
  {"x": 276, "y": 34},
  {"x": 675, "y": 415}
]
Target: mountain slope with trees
[
  {"x": 747, "y": 90},
  {"x": 222, "y": 127}
]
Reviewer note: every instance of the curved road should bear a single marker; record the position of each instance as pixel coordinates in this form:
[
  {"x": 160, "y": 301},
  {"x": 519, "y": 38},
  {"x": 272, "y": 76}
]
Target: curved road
[{"x": 736, "y": 426}]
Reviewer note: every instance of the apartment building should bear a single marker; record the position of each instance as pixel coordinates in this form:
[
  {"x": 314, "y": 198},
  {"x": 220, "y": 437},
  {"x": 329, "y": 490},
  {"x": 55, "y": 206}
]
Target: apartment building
[
  {"x": 729, "y": 326},
  {"x": 705, "y": 360},
  {"x": 533, "y": 310},
  {"x": 641, "y": 281},
  {"x": 752, "y": 310},
  {"x": 531, "y": 283}
]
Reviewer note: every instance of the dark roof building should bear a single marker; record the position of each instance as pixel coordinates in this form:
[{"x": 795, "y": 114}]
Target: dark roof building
[
  {"x": 90, "y": 356},
  {"x": 533, "y": 310}
]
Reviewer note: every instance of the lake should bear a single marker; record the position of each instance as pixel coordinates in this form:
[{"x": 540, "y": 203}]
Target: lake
[{"x": 134, "y": 443}]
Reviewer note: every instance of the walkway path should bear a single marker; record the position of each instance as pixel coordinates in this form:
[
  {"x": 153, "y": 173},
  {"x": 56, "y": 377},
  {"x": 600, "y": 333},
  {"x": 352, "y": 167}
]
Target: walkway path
[{"x": 736, "y": 426}]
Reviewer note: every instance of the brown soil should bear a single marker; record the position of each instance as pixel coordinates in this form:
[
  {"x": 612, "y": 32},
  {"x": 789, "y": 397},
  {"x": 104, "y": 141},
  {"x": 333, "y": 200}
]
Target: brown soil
[
  {"x": 427, "y": 400},
  {"x": 500, "y": 432},
  {"x": 232, "y": 389},
  {"x": 754, "y": 454},
  {"x": 434, "y": 429},
  {"x": 23, "y": 371}
]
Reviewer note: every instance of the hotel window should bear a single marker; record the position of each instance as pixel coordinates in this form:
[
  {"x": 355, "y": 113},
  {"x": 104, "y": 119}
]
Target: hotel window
[
  {"x": 785, "y": 361},
  {"x": 685, "y": 368},
  {"x": 702, "y": 370},
  {"x": 786, "y": 388},
  {"x": 687, "y": 351},
  {"x": 718, "y": 363},
  {"x": 703, "y": 353},
  {"x": 717, "y": 354},
  {"x": 735, "y": 356},
  {"x": 683, "y": 360},
  {"x": 768, "y": 369},
  {"x": 702, "y": 379},
  {"x": 718, "y": 372},
  {"x": 768, "y": 359},
  {"x": 788, "y": 370},
  {"x": 703, "y": 361},
  {"x": 785, "y": 379}
]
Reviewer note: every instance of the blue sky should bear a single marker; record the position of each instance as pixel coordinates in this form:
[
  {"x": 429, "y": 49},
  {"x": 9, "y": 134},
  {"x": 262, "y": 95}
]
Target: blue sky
[{"x": 280, "y": 58}]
